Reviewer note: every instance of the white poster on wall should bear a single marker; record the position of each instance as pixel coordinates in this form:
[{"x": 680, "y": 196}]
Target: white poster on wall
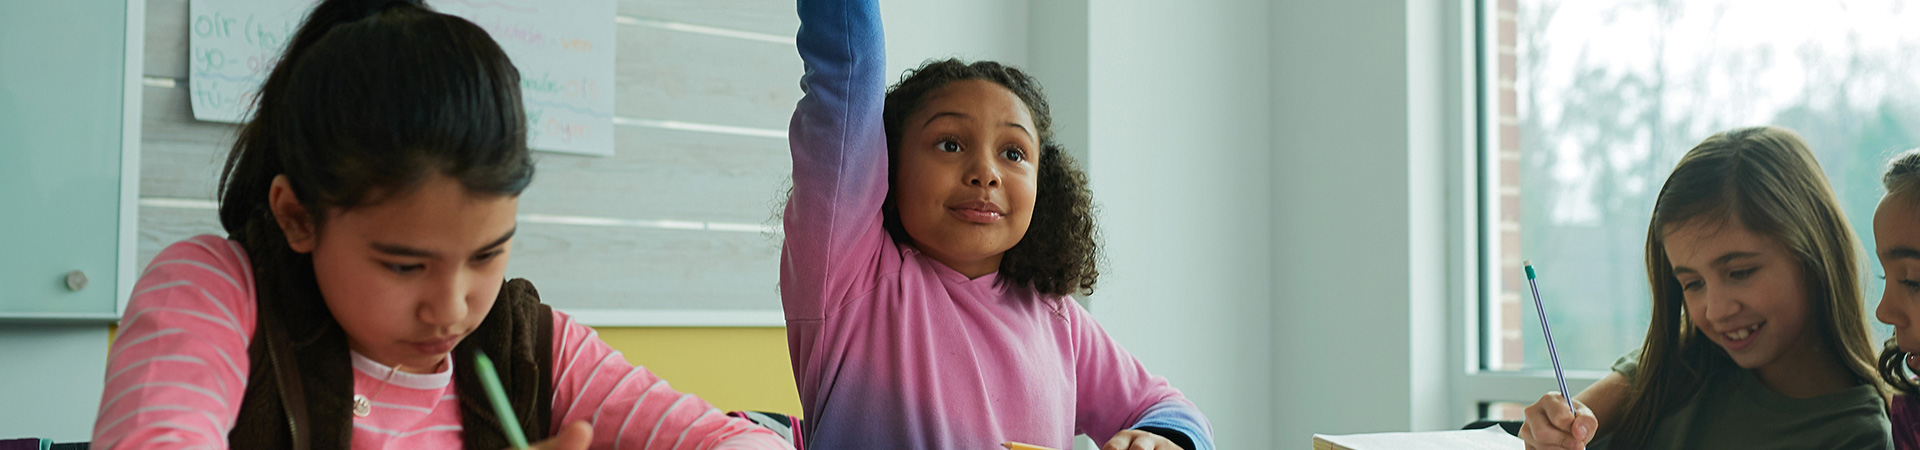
[{"x": 563, "y": 48}]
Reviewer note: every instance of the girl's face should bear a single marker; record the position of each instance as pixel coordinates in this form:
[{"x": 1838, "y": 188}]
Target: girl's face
[
  {"x": 1896, "y": 235},
  {"x": 1743, "y": 291},
  {"x": 965, "y": 184},
  {"x": 409, "y": 277}
]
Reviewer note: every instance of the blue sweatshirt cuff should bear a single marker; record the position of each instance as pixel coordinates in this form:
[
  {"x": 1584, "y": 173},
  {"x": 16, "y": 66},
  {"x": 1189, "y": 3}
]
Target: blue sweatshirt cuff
[{"x": 1181, "y": 418}]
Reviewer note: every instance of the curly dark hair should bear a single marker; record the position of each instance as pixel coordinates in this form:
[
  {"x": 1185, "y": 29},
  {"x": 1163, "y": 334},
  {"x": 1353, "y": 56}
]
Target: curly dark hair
[
  {"x": 1060, "y": 253},
  {"x": 1902, "y": 178}
]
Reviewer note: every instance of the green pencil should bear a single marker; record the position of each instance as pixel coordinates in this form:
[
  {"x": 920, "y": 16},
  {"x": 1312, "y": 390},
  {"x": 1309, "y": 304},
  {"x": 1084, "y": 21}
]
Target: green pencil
[{"x": 498, "y": 395}]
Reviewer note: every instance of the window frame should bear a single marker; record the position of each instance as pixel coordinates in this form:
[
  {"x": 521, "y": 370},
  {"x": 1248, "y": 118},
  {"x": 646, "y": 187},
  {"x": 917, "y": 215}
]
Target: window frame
[{"x": 1474, "y": 213}]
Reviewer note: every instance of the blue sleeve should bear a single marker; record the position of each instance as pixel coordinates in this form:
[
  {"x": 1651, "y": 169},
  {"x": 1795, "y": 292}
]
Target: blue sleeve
[
  {"x": 839, "y": 148},
  {"x": 832, "y": 219},
  {"x": 1178, "y": 416}
]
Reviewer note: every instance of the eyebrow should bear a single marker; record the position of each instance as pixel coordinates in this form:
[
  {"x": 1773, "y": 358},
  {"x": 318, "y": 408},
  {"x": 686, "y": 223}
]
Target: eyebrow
[
  {"x": 945, "y": 114},
  {"x": 1722, "y": 260},
  {"x": 401, "y": 250},
  {"x": 1901, "y": 253},
  {"x": 1023, "y": 128}
]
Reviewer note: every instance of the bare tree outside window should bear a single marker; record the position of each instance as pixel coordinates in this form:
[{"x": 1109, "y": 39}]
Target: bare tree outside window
[{"x": 1596, "y": 101}]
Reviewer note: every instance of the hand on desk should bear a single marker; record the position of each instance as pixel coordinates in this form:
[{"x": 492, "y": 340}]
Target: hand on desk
[
  {"x": 1138, "y": 440},
  {"x": 1549, "y": 425}
]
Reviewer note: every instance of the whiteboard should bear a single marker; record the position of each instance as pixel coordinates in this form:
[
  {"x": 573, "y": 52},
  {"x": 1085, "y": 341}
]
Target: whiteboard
[
  {"x": 679, "y": 227},
  {"x": 563, "y": 48}
]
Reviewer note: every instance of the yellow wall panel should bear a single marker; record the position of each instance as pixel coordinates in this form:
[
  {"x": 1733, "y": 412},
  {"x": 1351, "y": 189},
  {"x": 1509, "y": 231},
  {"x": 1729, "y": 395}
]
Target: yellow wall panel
[{"x": 732, "y": 368}]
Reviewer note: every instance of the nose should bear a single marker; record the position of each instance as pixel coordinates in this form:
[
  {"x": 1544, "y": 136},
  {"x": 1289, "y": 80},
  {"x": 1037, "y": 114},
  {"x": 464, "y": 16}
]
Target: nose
[
  {"x": 1888, "y": 312},
  {"x": 1722, "y": 305},
  {"x": 981, "y": 171},
  {"x": 444, "y": 303}
]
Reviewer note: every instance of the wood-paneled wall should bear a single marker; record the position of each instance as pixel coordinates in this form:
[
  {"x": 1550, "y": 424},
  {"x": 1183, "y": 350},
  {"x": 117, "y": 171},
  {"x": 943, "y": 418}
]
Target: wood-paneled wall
[{"x": 681, "y": 218}]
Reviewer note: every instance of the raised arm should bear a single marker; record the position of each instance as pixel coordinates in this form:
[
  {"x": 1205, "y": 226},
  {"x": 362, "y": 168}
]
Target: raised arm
[{"x": 839, "y": 145}]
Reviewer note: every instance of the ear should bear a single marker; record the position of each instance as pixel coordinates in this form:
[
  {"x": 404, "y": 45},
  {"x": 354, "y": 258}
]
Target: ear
[{"x": 293, "y": 218}]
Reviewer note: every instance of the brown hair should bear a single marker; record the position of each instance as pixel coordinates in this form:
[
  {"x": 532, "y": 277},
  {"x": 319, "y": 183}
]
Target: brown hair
[
  {"x": 1059, "y": 255},
  {"x": 1767, "y": 180},
  {"x": 1902, "y": 180}
]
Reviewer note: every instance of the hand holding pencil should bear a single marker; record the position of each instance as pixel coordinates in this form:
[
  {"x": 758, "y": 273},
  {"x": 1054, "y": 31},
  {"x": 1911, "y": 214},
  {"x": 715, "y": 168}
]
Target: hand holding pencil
[
  {"x": 1551, "y": 425},
  {"x": 574, "y": 436},
  {"x": 1556, "y": 420}
]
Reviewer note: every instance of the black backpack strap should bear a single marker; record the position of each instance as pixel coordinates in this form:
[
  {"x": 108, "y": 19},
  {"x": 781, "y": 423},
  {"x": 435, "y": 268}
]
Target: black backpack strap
[
  {"x": 273, "y": 410},
  {"x": 543, "y": 358},
  {"x": 292, "y": 394},
  {"x": 512, "y": 336}
]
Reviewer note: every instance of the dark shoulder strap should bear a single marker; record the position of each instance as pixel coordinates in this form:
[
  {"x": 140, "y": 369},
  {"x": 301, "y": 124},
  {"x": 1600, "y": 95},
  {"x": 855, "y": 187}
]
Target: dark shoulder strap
[
  {"x": 510, "y": 336},
  {"x": 543, "y": 358},
  {"x": 292, "y": 393},
  {"x": 273, "y": 410}
]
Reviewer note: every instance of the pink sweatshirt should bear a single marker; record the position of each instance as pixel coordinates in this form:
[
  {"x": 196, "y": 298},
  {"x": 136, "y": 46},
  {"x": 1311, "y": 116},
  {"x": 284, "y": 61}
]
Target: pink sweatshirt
[
  {"x": 892, "y": 349},
  {"x": 177, "y": 371}
]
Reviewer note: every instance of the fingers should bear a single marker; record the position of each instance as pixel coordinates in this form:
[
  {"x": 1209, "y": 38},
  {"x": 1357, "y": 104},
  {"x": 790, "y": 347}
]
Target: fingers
[
  {"x": 1584, "y": 423},
  {"x": 574, "y": 436},
  {"x": 1556, "y": 411},
  {"x": 1138, "y": 440},
  {"x": 1550, "y": 425}
]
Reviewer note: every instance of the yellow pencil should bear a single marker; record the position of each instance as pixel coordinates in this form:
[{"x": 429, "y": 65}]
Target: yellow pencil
[{"x": 1020, "y": 446}]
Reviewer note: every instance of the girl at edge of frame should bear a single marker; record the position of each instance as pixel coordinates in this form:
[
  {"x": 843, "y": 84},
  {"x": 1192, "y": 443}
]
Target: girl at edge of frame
[{"x": 370, "y": 209}]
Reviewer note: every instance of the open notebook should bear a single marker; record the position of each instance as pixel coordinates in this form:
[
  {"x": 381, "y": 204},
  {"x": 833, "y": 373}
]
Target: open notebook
[{"x": 1489, "y": 438}]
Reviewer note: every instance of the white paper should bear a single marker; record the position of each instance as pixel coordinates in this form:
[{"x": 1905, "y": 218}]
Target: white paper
[
  {"x": 232, "y": 45},
  {"x": 563, "y": 48},
  {"x": 1489, "y": 438}
]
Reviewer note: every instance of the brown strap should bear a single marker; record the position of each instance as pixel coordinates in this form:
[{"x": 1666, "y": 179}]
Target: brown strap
[
  {"x": 292, "y": 396},
  {"x": 543, "y": 358}
]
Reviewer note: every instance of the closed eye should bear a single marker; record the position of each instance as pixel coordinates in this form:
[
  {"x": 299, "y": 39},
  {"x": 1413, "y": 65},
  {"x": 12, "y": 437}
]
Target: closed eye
[
  {"x": 488, "y": 256},
  {"x": 405, "y": 269},
  {"x": 1742, "y": 274},
  {"x": 1692, "y": 285}
]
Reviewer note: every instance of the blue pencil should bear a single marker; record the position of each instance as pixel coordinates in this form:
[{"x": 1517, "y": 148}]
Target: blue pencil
[{"x": 1544, "y": 329}]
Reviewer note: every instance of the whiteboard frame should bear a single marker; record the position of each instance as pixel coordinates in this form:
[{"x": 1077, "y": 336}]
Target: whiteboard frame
[{"x": 131, "y": 104}]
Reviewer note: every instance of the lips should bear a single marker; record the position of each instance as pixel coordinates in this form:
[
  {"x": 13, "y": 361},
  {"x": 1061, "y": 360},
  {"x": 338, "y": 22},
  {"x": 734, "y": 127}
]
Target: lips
[
  {"x": 977, "y": 211},
  {"x": 435, "y": 346}
]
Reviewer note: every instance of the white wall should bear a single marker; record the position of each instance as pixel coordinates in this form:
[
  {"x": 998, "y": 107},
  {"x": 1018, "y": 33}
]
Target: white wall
[
  {"x": 970, "y": 30},
  {"x": 1180, "y": 159},
  {"x": 1360, "y": 219}
]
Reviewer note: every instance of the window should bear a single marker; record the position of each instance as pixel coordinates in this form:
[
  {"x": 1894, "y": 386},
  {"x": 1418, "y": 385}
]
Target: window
[{"x": 1588, "y": 105}]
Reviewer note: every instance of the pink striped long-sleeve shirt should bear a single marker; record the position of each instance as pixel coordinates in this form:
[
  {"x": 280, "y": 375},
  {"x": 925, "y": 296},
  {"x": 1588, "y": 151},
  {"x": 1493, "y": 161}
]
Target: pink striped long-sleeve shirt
[{"x": 177, "y": 371}]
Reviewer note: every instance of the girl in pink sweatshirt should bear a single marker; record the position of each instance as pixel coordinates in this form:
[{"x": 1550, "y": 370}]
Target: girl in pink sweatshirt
[
  {"x": 370, "y": 209},
  {"x": 934, "y": 233}
]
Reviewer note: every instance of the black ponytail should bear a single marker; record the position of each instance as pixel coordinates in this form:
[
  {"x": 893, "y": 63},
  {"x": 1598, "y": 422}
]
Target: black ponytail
[{"x": 371, "y": 98}]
